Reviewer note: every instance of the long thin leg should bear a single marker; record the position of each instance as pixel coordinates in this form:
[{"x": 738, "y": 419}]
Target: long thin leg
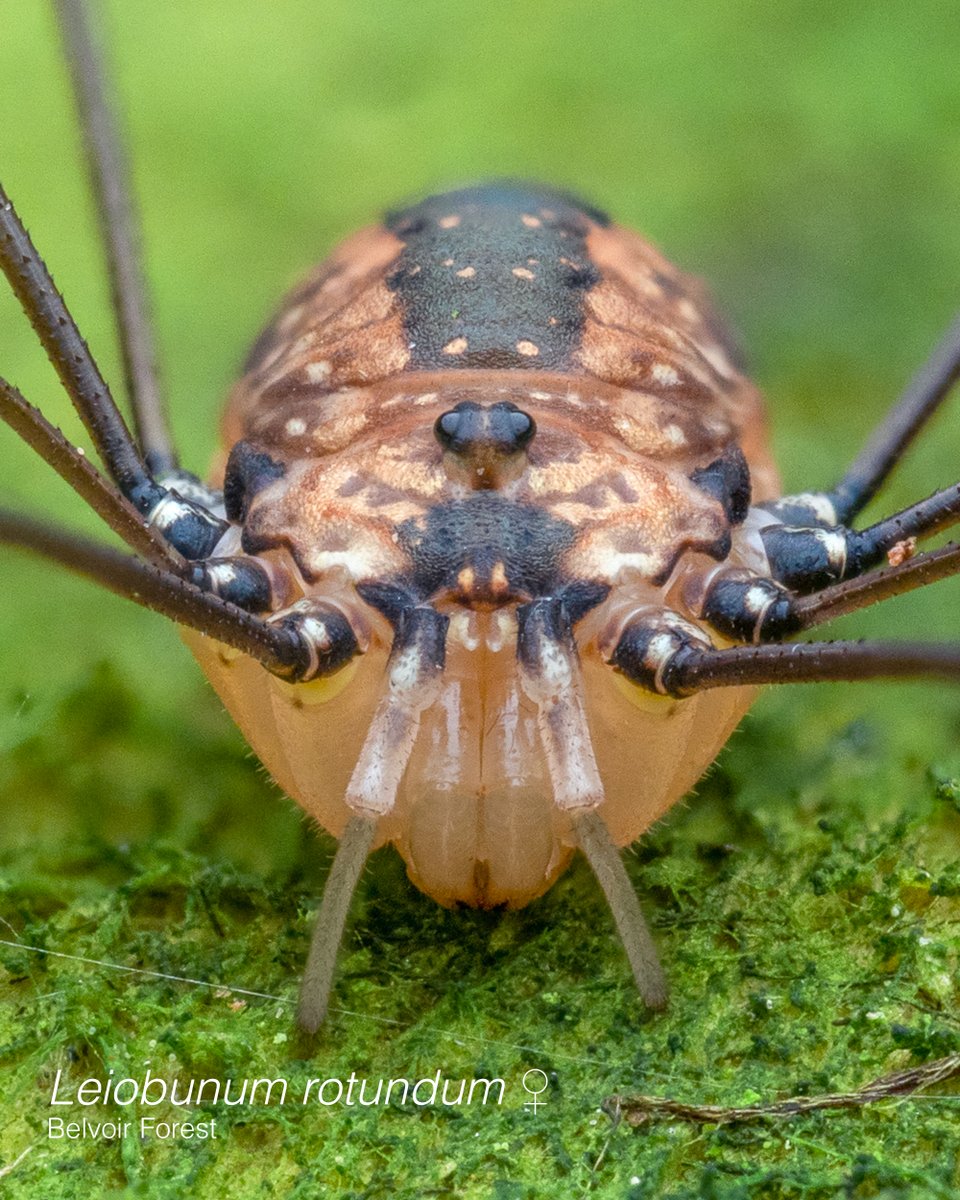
[
  {"x": 328, "y": 930},
  {"x": 810, "y": 662},
  {"x": 813, "y": 561},
  {"x": 278, "y": 646},
  {"x": 923, "y": 519},
  {"x": 189, "y": 526},
  {"x": 665, "y": 654},
  {"x": 843, "y": 598},
  {"x": 110, "y": 178},
  {"x": 85, "y": 479},
  {"x": 73, "y": 362},
  {"x": 882, "y": 451},
  {"x": 807, "y": 559}
]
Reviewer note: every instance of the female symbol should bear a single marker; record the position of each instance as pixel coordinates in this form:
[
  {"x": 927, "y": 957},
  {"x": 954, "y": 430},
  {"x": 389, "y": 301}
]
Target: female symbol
[{"x": 529, "y": 1080}]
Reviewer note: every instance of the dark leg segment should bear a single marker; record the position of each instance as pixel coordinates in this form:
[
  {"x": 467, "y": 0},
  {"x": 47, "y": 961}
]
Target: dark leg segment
[
  {"x": 110, "y": 177},
  {"x": 649, "y": 646},
  {"x": 803, "y": 561},
  {"x": 683, "y": 663},
  {"x": 188, "y": 527},
  {"x": 68, "y": 352},
  {"x": 324, "y": 631},
  {"x": 883, "y": 450},
  {"x": 807, "y": 560},
  {"x": 297, "y": 646},
  {"x": 242, "y": 581},
  {"x": 85, "y": 479},
  {"x": 749, "y": 608}
]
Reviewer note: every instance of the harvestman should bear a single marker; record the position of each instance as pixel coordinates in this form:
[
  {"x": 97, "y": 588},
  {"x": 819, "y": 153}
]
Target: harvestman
[{"x": 498, "y": 494}]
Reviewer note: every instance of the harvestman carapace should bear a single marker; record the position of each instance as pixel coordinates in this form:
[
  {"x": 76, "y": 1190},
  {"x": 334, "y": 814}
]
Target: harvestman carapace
[{"x": 495, "y": 552}]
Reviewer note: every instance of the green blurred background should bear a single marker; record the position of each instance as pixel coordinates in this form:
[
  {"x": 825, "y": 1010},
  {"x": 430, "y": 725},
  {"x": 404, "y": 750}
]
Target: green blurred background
[{"x": 805, "y": 158}]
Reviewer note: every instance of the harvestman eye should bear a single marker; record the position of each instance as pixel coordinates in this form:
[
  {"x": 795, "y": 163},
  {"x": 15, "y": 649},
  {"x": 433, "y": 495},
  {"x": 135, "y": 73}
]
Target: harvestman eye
[{"x": 477, "y": 519}]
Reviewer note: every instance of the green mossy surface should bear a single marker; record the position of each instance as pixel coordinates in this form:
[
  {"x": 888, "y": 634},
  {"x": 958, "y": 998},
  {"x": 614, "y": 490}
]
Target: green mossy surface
[
  {"x": 806, "y": 905},
  {"x": 806, "y": 901}
]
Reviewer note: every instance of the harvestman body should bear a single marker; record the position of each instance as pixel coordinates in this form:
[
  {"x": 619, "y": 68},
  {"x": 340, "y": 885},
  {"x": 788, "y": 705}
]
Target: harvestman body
[{"x": 495, "y": 554}]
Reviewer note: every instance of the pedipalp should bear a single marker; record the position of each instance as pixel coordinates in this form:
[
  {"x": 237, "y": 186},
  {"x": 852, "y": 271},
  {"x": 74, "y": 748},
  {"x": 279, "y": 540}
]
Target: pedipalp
[
  {"x": 413, "y": 682},
  {"x": 412, "y": 685},
  {"x": 551, "y": 677}
]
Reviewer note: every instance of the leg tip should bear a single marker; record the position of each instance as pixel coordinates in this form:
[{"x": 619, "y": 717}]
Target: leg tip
[
  {"x": 655, "y": 994},
  {"x": 311, "y": 1012}
]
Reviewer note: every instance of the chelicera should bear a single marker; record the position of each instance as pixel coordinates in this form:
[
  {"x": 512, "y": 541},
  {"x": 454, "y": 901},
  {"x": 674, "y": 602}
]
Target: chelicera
[{"x": 495, "y": 554}]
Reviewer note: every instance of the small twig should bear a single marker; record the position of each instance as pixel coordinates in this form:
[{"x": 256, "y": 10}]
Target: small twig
[
  {"x": 606, "y": 1145},
  {"x": 639, "y": 1109},
  {"x": 16, "y": 1162}
]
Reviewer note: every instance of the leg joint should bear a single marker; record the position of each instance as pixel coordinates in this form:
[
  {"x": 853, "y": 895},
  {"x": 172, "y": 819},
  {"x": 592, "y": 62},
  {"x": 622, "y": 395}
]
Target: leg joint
[
  {"x": 240, "y": 581},
  {"x": 749, "y": 608},
  {"x": 188, "y": 527},
  {"x": 653, "y": 646},
  {"x": 326, "y": 639},
  {"x": 807, "y": 560}
]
